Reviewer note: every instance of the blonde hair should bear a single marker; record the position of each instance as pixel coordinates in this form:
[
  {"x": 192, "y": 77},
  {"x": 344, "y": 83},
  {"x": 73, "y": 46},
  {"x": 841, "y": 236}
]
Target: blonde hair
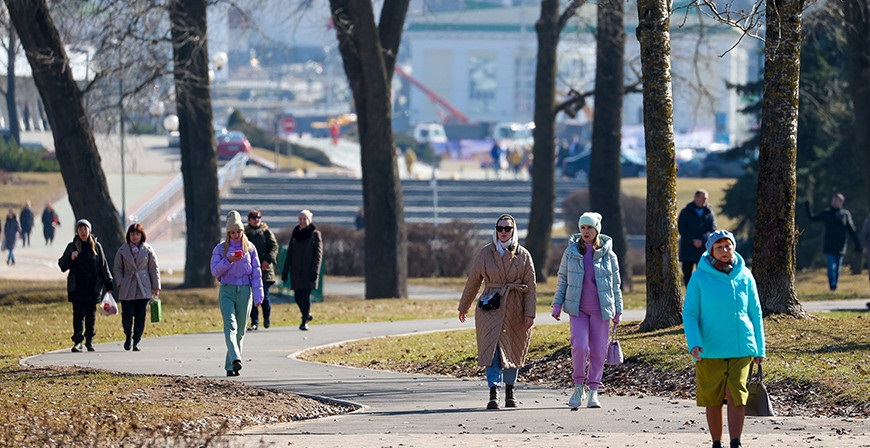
[{"x": 246, "y": 245}]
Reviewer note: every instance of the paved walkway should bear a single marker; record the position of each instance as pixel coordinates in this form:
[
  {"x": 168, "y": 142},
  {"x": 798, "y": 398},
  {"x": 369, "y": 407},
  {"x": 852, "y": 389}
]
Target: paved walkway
[{"x": 439, "y": 411}]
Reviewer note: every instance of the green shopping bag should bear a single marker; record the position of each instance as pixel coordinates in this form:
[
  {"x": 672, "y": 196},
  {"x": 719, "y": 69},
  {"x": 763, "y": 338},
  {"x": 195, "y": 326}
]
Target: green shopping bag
[{"x": 156, "y": 310}]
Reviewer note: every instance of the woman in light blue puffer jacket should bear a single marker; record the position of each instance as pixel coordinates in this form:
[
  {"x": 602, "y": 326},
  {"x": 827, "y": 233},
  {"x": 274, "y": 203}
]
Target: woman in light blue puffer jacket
[{"x": 588, "y": 290}]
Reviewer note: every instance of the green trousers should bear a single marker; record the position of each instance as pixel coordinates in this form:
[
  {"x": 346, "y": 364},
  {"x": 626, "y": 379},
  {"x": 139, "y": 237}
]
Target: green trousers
[{"x": 235, "y": 303}]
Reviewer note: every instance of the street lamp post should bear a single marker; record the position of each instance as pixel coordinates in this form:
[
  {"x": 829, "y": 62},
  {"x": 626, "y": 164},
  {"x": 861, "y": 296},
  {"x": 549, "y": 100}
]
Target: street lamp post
[{"x": 123, "y": 169}]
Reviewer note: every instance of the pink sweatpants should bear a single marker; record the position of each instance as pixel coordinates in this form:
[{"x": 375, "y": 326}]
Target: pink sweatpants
[{"x": 589, "y": 337}]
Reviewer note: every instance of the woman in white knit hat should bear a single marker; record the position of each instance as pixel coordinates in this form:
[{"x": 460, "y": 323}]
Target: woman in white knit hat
[
  {"x": 302, "y": 264},
  {"x": 235, "y": 264},
  {"x": 588, "y": 290}
]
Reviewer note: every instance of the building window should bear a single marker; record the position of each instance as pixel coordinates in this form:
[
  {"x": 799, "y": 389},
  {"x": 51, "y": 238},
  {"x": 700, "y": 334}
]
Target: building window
[
  {"x": 482, "y": 83},
  {"x": 524, "y": 90}
]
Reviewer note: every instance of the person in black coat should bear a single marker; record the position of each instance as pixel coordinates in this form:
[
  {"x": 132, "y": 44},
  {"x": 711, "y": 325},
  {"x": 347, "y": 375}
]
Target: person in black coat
[
  {"x": 89, "y": 276},
  {"x": 302, "y": 264},
  {"x": 49, "y": 223},
  {"x": 10, "y": 229},
  {"x": 695, "y": 223},
  {"x": 838, "y": 222},
  {"x": 26, "y": 220}
]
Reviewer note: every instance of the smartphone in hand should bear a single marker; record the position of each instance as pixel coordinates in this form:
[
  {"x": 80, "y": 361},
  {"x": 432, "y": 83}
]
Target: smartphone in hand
[{"x": 238, "y": 253}]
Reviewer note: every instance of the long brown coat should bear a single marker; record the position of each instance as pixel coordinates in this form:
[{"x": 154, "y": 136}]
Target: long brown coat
[
  {"x": 514, "y": 276},
  {"x": 136, "y": 275}
]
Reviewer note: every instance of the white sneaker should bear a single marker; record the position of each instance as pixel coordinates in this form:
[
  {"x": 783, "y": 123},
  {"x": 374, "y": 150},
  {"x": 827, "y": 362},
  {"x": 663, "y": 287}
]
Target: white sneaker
[
  {"x": 578, "y": 396},
  {"x": 593, "y": 400}
]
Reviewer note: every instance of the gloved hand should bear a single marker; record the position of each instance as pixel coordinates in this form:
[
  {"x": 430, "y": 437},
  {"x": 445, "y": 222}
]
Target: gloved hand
[{"x": 617, "y": 317}]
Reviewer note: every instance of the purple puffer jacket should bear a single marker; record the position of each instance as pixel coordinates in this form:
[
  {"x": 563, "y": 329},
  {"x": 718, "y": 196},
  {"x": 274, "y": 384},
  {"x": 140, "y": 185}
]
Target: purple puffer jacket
[{"x": 239, "y": 273}]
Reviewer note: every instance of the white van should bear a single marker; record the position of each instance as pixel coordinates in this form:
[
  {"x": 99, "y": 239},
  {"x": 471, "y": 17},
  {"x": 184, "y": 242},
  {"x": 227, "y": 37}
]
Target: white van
[{"x": 430, "y": 133}]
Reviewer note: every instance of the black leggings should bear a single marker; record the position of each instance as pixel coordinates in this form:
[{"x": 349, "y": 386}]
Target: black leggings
[
  {"x": 303, "y": 300},
  {"x": 133, "y": 318},
  {"x": 84, "y": 314},
  {"x": 688, "y": 268}
]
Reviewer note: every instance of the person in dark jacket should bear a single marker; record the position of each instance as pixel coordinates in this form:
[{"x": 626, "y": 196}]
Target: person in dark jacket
[
  {"x": 49, "y": 223},
  {"x": 89, "y": 277},
  {"x": 302, "y": 264},
  {"x": 263, "y": 239},
  {"x": 10, "y": 231},
  {"x": 695, "y": 223},
  {"x": 26, "y": 221},
  {"x": 838, "y": 222}
]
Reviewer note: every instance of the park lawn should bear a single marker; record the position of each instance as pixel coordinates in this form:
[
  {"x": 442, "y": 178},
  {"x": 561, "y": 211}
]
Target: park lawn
[
  {"x": 686, "y": 188},
  {"x": 284, "y": 162},
  {"x": 39, "y": 188}
]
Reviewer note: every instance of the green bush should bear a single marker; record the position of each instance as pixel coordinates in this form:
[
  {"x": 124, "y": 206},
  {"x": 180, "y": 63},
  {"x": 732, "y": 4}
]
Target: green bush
[{"x": 13, "y": 158}]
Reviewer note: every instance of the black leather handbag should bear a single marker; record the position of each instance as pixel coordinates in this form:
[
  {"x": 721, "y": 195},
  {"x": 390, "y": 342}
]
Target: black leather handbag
[
  {"x": 758, "y": 403},
  {"x": 490, "y": 301}
]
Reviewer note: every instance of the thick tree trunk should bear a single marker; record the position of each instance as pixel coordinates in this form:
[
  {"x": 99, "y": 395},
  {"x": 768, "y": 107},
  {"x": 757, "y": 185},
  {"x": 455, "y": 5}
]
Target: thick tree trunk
[
  {"x": 11, "y": 101},
  {"x": 775, "y": 230},
  {"x": 605, "y": 173},
  {"x": 187, "y": 20},
  {"x": 73, "y": 138},
  {"x": 541, "y": 215},
  {"x": 368, "y": 54},
  {"x": 858, "y": 38},
  {"x": 663, "y": 296}
]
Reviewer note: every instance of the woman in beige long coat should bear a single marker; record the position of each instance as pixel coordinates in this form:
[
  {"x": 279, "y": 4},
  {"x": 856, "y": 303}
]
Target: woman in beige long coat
[
  {"x": 138, "y": 277},
  {"x": 503, "y": 333}
]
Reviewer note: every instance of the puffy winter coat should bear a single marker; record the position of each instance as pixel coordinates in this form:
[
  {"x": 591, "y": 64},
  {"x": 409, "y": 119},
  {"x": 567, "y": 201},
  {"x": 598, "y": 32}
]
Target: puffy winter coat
[
  {"x": 694, "y": 227},
  {"x": 136, "y": 275},
  {"x": 722, "y": 313},
  {"x": 267, "y": 248},
  {"x": 303, "y": 259},
  {"x": 89, "y": 273},
  {"x": 569, "y": 285}
]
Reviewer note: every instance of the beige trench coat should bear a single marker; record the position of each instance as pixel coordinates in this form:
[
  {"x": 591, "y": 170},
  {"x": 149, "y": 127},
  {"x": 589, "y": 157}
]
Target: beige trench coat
[
  {"x": 135, "y": 275},
  {"x": 514, "y": 276}
]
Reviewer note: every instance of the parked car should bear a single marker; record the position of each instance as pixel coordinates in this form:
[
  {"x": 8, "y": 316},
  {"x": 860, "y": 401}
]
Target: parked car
[
  {"x": 232, "y": 143},
  {"x": 721, "y": 165},
  {"x": 632, "y": 163},
  {"x": 174, "y": 139}
]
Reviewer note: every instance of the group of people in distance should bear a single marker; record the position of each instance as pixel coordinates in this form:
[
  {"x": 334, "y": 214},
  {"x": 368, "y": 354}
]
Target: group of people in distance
[
  {"x": 721, "y": 316},
  {"x": 21, "y": 225}
]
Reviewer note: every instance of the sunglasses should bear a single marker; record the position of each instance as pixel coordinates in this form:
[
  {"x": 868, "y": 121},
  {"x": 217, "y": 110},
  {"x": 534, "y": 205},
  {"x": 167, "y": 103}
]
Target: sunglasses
[
  {"x": 503, "y": 228},
  {"x": 255, "y": 217}
]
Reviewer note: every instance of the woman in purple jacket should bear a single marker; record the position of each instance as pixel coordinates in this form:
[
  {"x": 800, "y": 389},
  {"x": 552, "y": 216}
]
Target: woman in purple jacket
[{"x": 232, "y": 262}]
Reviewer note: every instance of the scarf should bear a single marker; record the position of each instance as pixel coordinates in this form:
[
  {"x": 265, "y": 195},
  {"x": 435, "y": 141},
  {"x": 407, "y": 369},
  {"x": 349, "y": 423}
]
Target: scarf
[
  {"x": 303, "y": 234},
  {"x": 720, "y": 265}
]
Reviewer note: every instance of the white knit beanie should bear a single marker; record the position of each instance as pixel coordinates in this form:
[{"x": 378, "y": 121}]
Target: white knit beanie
[{"x": 590, "y": 219}]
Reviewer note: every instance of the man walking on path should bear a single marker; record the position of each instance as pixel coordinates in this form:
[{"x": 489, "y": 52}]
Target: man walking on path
[
  {"x": 695, "y": 223},
  {"x": 838, "y": 222}
]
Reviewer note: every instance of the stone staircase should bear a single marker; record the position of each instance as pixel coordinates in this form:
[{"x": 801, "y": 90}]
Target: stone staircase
[{"x": 281, "y": 197}]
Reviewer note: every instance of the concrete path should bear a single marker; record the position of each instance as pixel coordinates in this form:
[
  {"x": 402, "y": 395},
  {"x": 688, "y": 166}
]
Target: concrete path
[{"x": 439, "y": 411}]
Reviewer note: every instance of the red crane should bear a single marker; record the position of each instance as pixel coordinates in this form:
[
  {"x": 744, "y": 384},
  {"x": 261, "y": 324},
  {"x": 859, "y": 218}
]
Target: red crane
[{"x": 453, "y": 115}]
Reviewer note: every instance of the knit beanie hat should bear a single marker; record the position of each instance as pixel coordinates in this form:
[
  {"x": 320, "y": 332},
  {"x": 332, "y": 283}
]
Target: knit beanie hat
[
  {"x": 718, "y": 235},
  {"x": 590, "y": 219},
  {"x": 308, "y": 214},
  {"x": 234, "y": 221},
  {"x": 84, "y": 222}
]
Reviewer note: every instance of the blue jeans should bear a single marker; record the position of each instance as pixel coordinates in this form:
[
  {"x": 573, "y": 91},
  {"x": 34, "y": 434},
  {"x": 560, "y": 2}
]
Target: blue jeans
[
  {"x": 495, "y": 375},
  {"x": 834, "y": 262},
  {"x": 235, "y": 303}
]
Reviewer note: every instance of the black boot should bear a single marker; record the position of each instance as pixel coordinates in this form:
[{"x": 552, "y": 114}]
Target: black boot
[
  {"x": 493, "y": 398},
  {"x": 128, "y": 343},
  {"x": 735, "y": 443},
  {"x": 509, "y": 400}
]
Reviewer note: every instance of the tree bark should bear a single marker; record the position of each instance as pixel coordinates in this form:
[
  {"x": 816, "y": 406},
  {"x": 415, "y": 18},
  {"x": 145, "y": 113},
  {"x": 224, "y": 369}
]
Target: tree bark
[
  {"x": 187, "y": 21},
  {"x": 74, "y": 144},
  {"x": 663, "y": 296},
  {"x": 542, "y": 215},
  {"x": 775, "y": 230},
  {"x": 11, "y": 100},
  {"x": 605, "y": 173},
  {"x": 369, "y": 53},
  {"x": 858, "y": 40}
]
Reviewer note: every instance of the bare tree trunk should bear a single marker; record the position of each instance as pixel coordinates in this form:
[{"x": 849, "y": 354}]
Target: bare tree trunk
[
  {"x": 775, "y": 230},
  {"x": 369, "y": 56},
  {"x": 541, "y": 215},
  {"x": 663, "y": 296},
  {"x": 187, "y": 21},
  {"x": 605, "y": 172},
  {"x": 11, "y": 101},
  {"x": 858, "y": 38},
  {"x": 73, "y": 138}
]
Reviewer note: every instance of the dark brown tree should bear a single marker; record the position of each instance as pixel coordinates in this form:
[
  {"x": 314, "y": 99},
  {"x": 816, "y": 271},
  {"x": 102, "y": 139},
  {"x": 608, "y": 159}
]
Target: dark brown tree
[
  {"x": 605, "y": 172},
  {"x": 775, "y": 230},
  {"x": 858, "y": 38},
  {"x": 10, "y": 91},
  {"x": 541, "y": 216},
  {"x": 368, "y": 52},
  {"x": 187, "y": 21},
  {"x": 663, "y": 296},
  {"x": 73, "y": 138}
]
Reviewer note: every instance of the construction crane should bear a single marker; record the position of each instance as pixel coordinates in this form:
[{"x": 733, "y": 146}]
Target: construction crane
[{"x": 453, "y": 114}]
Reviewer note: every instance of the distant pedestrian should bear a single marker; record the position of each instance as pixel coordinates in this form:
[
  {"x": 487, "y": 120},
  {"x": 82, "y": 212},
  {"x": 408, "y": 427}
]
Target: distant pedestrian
[
  {"x": 695, "y": 223},
  {"x": 515, "y": 160},
  {"x": 26, "y": 219},
  {"x": 838, "y": 222},
  {"x": 234, "y": 263},
  {"x": 505, "y": 312},
  {"x": 359, "y": 221},
  {"x": 262, "y": 237},
  {"x": 138, "y": 276},
  {"x": 588, "y": 289},
  {"x": 865, "y": 242},
  {"x": 89, "y": 277},
  {"x": 496, "y": 154},
  {"x": 10, "y": 233},
  {"x": 410, "y": 160},
  {"x": 50, "y": 222},
  {"x": 302, "y": 264},
  {"x": 724, "y": 332}
]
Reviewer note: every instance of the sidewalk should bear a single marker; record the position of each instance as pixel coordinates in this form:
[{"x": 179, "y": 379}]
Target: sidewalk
[{"x": 439, "y": 411}]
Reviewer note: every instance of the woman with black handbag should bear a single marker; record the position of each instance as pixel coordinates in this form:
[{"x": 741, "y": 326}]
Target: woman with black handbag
[
  {"x": 505, "y": 311},
  {"x": 724, "y": 333}
]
